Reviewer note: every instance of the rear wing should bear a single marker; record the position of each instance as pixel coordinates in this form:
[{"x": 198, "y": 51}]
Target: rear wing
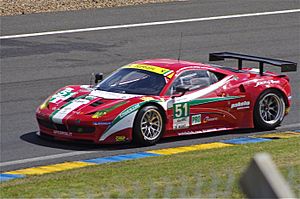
[{"x": 286, "y": 66}]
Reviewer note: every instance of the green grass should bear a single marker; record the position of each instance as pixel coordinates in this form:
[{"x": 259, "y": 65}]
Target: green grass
[{"x": 211, "y": 173}]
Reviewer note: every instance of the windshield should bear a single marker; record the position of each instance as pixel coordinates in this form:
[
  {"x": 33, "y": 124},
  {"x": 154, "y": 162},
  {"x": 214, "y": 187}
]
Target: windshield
[{"x": 133, "y": 81}]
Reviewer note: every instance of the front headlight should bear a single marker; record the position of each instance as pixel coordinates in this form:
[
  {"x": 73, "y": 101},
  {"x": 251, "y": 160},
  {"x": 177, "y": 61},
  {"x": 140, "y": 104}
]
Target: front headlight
[{"x": 45, "y": 104}]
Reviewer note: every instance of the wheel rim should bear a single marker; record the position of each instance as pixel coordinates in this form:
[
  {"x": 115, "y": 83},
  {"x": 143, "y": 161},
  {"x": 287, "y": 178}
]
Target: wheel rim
[
  {"x": 151, "y": 124},
  {"x": 271, "y": 108}
]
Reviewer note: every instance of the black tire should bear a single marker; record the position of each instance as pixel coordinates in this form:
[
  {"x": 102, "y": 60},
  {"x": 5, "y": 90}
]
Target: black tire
[
  {"x": 269, "y": 110},
  {"x": 148, "y": 132}
]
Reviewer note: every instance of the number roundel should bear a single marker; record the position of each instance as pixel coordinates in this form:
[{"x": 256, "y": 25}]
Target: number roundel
[{"x": 181, "y": 110}]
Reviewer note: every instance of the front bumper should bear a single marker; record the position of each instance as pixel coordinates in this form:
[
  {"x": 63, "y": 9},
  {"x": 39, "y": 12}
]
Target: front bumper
[
  {"x": 80, "y": 132},
  {"x": 70, "y": 132}
]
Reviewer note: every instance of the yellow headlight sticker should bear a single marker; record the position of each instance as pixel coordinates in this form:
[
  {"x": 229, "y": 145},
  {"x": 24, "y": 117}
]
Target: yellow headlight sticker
[
  {"x": 171, "y": 75},
  {"x": 44, "y": 105},
  {"x": 154, "y": 69}
]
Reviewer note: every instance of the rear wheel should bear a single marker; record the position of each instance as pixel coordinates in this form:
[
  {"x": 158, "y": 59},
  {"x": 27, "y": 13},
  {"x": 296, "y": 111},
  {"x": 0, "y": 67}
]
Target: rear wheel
[
  {"x": 269, "y": 110},
  {"x": 148, "y": 126}
]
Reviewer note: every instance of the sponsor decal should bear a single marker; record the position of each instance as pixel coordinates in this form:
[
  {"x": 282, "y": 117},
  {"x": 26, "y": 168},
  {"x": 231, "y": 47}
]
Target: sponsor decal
[
  {"x": 129, "y": 110},
  {"x": 181, "y": 123},
  {"x": 209, "y": 119},
  {"x": 154, "y": 69},
  {"x": 120, "y": 138},
  {"x": 62, "y": 133},
  {"x": 190, "y": 132},
  {"x": 241, "y": 105},
  {"x": 101, "y": 123},
  {"x": 196, "y": 119},
  {"x": 201, "y": 131},
  {"x": 266, "y": 82}
]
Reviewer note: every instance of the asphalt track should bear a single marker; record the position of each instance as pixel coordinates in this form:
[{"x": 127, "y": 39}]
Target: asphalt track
[{"x": 34, "y": 67}]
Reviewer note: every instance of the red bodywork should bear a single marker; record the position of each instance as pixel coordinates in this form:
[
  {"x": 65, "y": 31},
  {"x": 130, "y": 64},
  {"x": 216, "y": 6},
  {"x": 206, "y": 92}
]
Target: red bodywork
[{"x": 81, "y": 124}]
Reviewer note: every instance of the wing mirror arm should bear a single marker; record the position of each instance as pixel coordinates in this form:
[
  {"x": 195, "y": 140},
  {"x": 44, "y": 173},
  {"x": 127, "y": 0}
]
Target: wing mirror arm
[
  {"x": 181, "y": 90},
  {"x": 98, "y": 77}
]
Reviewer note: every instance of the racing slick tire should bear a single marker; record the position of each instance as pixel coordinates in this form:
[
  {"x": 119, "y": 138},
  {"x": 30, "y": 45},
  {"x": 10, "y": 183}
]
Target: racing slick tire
[
  {"x": 269, "y": 110},
  {"x": 148, "y": 126}
]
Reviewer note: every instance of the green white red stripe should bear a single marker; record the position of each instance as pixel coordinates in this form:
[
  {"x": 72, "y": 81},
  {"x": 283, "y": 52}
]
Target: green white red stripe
[{"x": 58, "y": 115}]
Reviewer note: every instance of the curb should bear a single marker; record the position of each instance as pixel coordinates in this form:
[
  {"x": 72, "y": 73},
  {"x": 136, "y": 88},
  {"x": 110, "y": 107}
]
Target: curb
[{"x": 22, "y": 173}]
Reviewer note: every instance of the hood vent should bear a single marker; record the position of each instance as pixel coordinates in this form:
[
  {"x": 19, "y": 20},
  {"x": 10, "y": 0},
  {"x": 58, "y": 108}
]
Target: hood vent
[
  {"x": 69, "y": 99},
  {"x": 97, "y": 103}
]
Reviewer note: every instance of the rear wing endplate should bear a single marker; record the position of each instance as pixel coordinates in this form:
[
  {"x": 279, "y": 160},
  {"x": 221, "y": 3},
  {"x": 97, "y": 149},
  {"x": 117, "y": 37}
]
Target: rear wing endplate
[{"x": 286, "y": 66}]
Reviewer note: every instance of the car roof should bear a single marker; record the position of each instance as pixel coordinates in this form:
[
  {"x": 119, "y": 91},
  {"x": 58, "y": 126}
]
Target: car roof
[
  {"x": 176, "y": 66},
  {"x": 171, "y": 64}
]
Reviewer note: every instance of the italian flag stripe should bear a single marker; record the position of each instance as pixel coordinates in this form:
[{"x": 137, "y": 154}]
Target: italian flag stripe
[{"x": 57, "y": 110}]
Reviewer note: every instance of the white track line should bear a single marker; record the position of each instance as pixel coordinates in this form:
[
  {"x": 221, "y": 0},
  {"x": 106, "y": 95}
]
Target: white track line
[
  {"x": 48, "y": 157},
  {"x": 150, "y": 24},
  {"x": 75, "y": 153}
]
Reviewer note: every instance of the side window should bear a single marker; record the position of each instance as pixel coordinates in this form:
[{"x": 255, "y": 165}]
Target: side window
[
  {"x": 196, "y": 79},
  {"x": 215, "y": 76}
]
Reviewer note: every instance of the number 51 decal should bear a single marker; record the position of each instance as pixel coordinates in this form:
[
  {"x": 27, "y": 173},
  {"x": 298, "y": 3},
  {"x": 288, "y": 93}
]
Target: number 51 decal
[
  {"x": 181, "y": 110},
  {"x": 181, "y": 115}
]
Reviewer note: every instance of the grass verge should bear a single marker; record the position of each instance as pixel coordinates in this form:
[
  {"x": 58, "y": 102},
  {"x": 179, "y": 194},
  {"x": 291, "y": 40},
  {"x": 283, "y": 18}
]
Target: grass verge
[{"x": 208, "y": 173}]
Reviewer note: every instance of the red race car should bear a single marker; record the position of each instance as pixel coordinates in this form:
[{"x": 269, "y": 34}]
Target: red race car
[{"x": 147, "y": 100}]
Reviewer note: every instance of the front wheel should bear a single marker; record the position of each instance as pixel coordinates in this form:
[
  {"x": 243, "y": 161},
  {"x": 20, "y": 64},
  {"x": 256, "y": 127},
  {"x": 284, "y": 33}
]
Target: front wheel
[
  {"x": 269, "y": 110},
  {"x": 148, "y": 126}
]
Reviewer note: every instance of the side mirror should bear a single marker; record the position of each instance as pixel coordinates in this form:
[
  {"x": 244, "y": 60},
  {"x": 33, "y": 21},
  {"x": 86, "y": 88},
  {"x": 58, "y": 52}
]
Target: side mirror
[
  {"x": 181, "y": 90},
  {"x": 98, "y": 77}
]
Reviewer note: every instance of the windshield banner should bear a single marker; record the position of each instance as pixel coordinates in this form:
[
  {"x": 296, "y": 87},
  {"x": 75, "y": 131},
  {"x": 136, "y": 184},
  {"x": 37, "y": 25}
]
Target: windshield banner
[{"x": 155, "y": 69}]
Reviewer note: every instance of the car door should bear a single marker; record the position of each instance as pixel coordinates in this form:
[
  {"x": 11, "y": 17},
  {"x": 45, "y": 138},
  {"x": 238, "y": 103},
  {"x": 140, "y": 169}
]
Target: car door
[{"x": 197, "y": 110}]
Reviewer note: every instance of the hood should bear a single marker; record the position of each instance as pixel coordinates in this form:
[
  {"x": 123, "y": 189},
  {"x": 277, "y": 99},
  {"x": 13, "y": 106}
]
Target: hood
[{"x": 80, "y": 100}]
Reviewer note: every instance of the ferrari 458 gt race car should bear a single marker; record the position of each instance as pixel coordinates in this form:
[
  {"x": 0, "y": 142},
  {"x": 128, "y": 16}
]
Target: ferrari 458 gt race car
[{"x": 147, "y": 100}]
